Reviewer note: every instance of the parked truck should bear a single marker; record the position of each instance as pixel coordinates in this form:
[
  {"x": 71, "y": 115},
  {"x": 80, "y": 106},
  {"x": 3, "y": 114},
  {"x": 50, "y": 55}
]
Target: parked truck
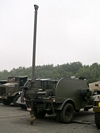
[
  {"x": 2, "y": 90},
  {"x": 10, "y": 90},
  {"x": 96, "y": 107},
  {"x": 61, "y": 97}
]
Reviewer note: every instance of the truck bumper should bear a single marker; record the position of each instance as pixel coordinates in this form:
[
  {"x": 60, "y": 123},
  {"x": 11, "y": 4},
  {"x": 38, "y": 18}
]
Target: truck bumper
[
  {"x": 96, "y": 109},
  {"x": 4, "y": 97}
]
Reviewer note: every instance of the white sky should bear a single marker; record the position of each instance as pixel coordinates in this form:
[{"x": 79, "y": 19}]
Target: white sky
[{"x": 67, "y": 31}]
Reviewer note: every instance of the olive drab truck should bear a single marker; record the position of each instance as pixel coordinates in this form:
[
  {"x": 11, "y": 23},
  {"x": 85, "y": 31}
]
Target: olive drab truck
[
  {"x": 11, "y": 89},
  {"x": 60, "y": 98},
  {"x": 1, "y": 89},
  {"x": 96, "y": 107}
]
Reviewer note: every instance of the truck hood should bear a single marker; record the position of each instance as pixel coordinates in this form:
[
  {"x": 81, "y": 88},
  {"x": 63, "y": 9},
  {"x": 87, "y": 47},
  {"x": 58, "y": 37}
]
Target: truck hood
[{"x": 9, "y": 84}]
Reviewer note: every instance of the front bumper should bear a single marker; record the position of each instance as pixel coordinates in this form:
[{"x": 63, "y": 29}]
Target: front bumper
[
  {"x": 3, "y": 97},
  {"x": 96, "y": 109}
]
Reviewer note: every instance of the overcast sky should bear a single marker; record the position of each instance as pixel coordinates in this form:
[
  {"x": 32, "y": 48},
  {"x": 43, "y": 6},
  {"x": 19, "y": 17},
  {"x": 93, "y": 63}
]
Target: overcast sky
[{"x": 67, "y": 31}]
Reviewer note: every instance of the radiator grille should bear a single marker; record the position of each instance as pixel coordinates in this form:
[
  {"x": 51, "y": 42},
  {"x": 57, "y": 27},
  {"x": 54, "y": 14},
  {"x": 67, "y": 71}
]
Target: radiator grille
[{"x": 2, "y": 90}]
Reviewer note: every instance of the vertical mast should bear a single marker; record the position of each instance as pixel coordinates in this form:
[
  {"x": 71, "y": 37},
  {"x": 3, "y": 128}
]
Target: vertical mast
[{"x": 34, "y": 43}]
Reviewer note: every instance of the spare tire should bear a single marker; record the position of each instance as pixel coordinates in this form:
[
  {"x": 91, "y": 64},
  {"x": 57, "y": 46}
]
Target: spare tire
[{"x": 85, "y": 94}]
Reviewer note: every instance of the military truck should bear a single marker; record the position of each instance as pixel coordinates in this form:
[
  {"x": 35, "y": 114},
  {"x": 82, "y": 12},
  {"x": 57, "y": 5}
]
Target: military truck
[
  {"x": 2, "y": 90},
  {"x": 96, "y": 107},
  {"x": 11, "y": 89},
  {"x": 60, "y": 98}
]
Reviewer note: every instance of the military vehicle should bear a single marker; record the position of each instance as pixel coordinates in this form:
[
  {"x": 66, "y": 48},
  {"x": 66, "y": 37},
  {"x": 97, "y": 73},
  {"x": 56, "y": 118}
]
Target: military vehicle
[
  {"x": 60, "y": 98},
  {"x": 11, "y": 89},
  {"x": 96, "y": 107},
  {"x": 2, "y": 90}
]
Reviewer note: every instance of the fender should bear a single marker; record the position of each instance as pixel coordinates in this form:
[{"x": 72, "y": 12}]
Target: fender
[
  {"x": 15, "y": 93},
  {"x": 69, "y": 100}
]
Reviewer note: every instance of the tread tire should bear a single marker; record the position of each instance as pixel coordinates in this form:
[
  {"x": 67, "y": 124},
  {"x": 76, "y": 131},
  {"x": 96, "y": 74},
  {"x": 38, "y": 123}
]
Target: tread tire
[
  {"x": 67, "y": 113},
  {"x": 6, "y": 102},
  {"x": 39, "y": 115},
  {"x": 97, "y": 119},
  {"x": 23, "y": 106}
]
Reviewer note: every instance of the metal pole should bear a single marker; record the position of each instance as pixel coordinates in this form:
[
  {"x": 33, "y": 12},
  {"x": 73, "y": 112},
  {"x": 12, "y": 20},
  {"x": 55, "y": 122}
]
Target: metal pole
[{"x": 34, "y": 43}]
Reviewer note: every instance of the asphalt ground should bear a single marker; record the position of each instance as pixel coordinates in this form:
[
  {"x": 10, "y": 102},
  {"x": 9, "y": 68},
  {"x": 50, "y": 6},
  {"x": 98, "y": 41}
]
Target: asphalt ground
[{"x": 15, "y": 120}]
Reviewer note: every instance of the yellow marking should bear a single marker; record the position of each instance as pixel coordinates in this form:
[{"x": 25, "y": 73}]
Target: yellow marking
[{"x": 99, "y": 104}]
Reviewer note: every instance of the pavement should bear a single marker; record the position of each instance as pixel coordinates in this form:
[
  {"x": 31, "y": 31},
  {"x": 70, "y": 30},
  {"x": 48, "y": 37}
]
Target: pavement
[{"x": 15, "y": 120}]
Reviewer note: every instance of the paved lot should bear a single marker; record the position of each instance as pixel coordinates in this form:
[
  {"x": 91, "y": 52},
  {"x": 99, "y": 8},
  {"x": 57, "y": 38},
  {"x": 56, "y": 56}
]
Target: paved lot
[{"x": 15, "y": 120}]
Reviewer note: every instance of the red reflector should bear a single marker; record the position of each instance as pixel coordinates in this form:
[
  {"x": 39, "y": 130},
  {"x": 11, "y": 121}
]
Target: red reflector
[
  {"x": 23, "y": 99},
  {"x": 29, "y": 109},
  {"x": 51, "y": 100}
]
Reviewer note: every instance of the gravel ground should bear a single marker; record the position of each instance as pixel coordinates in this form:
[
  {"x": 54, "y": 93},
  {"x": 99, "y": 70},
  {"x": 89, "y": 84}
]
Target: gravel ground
[{"x": 15, "y": 120}]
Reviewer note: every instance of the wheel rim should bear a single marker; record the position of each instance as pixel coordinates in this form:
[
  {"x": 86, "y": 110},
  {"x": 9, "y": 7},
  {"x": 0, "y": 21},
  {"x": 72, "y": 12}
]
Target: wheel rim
[{"x": 68, "y": 113}]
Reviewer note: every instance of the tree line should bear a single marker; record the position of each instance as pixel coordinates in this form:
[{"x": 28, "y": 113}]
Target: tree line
[{"x": 90, "y": 72}]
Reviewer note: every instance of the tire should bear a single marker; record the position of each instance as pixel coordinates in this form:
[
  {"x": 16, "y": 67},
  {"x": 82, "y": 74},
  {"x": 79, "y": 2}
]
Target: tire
[
  {"x": 67, "y": 113},
  {"x": 15, "y": 99},
  {"x": 97, "y": 119},
  {"x": 77, "y": 110},
  {"x": 23, "y": 106},
  {"x": 85, "y": 94},
  {"x": 49, "y": 112},
  {"x": 39, "y": 115},
  {"x": 85, "y": 109},
  {"x": 6, "y": 102}
]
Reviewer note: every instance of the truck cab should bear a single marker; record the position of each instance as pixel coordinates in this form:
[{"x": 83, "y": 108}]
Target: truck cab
[
  {"x": 11, "y": 89},
  {"x": 2, "y": 90}
]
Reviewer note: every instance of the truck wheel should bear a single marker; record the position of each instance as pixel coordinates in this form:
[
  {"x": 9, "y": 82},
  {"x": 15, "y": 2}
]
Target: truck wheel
[
  {"x": 49, "y": 112},
  {"x": 23, "y": 106},
  {"x": 97, "y": 119},
  {"x": 39, "y": 115},
  {"x": 15, "y": 99},
  {"x": 67, "y": 113},
  {"x": 6, "y": 102},
  {"x": 77, "y": 110}
]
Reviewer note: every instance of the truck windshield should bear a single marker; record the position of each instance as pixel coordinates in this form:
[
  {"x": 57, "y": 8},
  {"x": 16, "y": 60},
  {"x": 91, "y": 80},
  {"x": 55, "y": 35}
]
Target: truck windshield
[{"x": 12, "y": 79}]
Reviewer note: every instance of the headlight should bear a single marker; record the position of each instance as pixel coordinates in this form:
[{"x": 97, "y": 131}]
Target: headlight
[{"x": 99, "y": 104}]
